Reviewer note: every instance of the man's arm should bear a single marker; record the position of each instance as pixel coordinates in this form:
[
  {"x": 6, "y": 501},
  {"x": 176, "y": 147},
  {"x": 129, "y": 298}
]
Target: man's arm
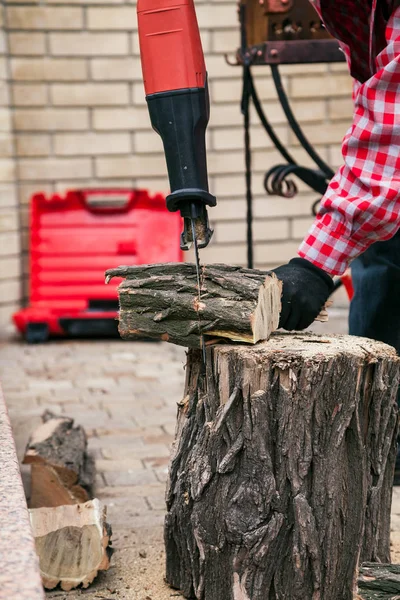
[{"x": 362, "y": 203}]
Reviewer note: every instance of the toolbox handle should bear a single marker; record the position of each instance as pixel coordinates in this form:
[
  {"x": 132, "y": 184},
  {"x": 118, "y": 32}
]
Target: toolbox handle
[{"x": 124, "y": 200}]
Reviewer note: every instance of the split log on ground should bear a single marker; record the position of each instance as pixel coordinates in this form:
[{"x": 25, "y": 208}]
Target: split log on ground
[
  {"x": 161, "y": 302},
  {"x": 72, "y": 542},
  {"x": 282, "y": 468},
  {"x": 379, "y": 582},
  {"x": 62, "y": 470}
]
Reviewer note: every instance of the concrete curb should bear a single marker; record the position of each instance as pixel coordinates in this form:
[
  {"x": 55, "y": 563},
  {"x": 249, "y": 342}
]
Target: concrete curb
[{"x": 19, "y": 574}]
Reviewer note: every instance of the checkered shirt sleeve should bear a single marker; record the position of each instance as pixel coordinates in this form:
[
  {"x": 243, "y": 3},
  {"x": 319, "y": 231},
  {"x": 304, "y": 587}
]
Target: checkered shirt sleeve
[{"x": 362, "y": 203}]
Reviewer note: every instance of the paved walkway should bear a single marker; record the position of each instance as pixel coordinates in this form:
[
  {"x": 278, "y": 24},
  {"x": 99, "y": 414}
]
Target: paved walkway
[{"x": 125, "y": 395}]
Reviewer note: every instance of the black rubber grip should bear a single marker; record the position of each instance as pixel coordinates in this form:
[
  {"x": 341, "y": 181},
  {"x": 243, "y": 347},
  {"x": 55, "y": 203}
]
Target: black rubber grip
[{"x": 180, "y": 117}]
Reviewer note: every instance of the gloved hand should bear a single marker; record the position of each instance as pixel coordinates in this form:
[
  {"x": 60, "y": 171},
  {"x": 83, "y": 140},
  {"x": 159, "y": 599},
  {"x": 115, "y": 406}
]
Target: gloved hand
[{"x": 306, "y": 288}]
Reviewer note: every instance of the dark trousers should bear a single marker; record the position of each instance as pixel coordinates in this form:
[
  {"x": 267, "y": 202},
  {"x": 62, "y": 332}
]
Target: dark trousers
[{"x": 375, "y": 308}]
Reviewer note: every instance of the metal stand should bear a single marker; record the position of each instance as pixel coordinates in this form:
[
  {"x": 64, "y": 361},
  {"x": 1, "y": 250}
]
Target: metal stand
[{"x": 278, "y": 179}]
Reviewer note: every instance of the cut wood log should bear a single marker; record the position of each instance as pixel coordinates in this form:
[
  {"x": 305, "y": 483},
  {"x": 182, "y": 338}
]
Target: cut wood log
[
  {"x": 161, "y": 302},
  {"x": 62, "y": 470},
  {"x": 72, "y": 542},
  {"x": 379, "y": 582},
  {"x": 282, "y": 468}
]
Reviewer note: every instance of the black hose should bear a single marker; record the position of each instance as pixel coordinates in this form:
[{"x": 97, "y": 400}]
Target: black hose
[
  {"x": 294, "y": 125},
  {"x": 245, "y": 106}
]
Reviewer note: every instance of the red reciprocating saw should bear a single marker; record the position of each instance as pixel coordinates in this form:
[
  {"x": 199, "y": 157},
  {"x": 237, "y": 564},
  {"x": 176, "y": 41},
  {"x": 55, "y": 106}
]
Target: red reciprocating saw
[{"x": 175, "y": 82}]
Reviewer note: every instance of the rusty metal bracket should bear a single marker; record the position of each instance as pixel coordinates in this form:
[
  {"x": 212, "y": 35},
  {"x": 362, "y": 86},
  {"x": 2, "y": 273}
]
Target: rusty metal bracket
[
  {"x": 232, "y": 62},
  {"x": 280, "y": 21},
  {"x": 295, "y": 52}
]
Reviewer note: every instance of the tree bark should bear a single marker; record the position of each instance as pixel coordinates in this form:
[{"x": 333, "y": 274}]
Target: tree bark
[
  {"x": 379, "y": 582},
  {"x": 162, "y": 302},
  {"x": 282, "y": 468},
  {"x": 72, "y": 542},
  {"x": 62, "y": 470}
]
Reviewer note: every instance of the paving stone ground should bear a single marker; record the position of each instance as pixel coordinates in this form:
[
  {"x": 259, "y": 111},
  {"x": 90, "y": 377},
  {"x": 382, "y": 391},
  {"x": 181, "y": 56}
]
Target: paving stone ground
[{"x": 125, "y": 395}]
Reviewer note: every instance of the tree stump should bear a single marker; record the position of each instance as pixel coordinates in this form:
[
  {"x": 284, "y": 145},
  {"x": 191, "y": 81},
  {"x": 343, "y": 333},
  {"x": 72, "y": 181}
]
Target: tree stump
[{"x": 281, "y": 474}]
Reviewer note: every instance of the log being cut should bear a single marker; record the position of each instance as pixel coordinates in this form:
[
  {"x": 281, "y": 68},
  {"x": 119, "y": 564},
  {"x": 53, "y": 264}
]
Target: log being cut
[
  {"x": 162, "y": 302},
  {"x": 72, "y": 542},
  {"x": 62, "y": 470}
]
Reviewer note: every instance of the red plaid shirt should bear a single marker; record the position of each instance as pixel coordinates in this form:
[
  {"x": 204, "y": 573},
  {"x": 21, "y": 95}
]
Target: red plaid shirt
[{"x": 362, "y": 203}]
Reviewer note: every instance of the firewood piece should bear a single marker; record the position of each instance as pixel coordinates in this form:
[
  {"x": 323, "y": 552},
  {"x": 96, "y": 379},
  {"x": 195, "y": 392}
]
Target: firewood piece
[
  {"x": 72, "y": 542},
  {"x": 62, "y": 470},
  {"x": 282, "y": 468},
  {"x": 161, "y": 302},
  {"x": 379, "y": 582}
]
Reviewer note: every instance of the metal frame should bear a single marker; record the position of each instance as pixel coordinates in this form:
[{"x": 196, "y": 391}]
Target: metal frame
[
  {"x": 294, "y": 52},
  {"x": 278, "y": 180}
]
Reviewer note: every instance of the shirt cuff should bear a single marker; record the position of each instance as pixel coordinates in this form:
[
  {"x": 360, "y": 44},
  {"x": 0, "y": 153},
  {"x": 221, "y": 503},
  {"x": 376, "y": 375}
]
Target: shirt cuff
[{"x": 328, "y": 245}]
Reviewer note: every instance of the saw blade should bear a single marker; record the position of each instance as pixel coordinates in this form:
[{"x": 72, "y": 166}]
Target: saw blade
[{"x": 197, "y": 260}]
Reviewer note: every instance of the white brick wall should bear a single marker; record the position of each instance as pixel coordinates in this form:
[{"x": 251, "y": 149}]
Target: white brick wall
[{"x": 70, "y": 76}]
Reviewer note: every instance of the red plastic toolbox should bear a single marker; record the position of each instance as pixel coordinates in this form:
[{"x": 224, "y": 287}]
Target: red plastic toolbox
[{"x": 74, "y": 238}]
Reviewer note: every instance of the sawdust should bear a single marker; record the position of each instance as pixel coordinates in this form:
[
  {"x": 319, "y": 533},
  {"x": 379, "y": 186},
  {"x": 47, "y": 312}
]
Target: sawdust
[{"x": 137, "y": 571}]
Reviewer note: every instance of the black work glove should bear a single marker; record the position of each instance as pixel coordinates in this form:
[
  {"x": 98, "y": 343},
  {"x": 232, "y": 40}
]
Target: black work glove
[{"x": 305, "y": 290}]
